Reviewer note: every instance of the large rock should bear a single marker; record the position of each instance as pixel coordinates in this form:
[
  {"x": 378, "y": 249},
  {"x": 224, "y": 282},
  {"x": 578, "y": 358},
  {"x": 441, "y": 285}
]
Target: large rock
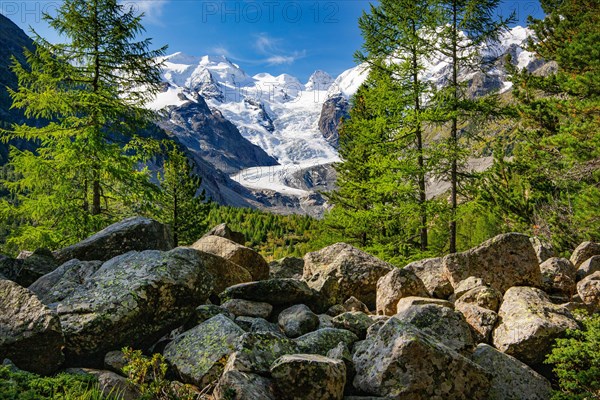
[
  {"x": 279, "y": 292},
  {"x": 395, "y": 285},
  {"x": 297, "y": 320},
  {"x": 27, "y": 270},
  {"x": 224, "y": 231},
  {"x": 236, "y": 385},
  {"x": 446, "y": 325},
  {"x": 542, "y": 248},
  {"x": 583, "y": 252},
  {"x": 356, "y": 322},
  {"x": 529, "y": 323},
  {"x": 304, "y": 376},
  {"x": 588, "y": 267},
  {"x": 225, "y": 273},
  {"x": 247, "y": 308},
  {"x": 408, "y": 302},
  {"x": 199, "y": 355},
  {"x": 63, "y": 281},
  {"x": 482, "y": 296},
  {"x": 256, "y": 352},
  {"x": 323, "y": 340},
  {"x": 511, "y": 379},
  {"x": 502, "y": 262},
  {"x": 431, "y": 272},
  {"x": 287, "y": 267},
  {"x": 205, "y": 312},
  {"x": 30, "y": 334},
  {"x": 398, "y": 361},
  {"x": 135, "y": 233},
  {"x": 236, "y": 253},
  {"x": 558, "y": 277},
  {"x": 111, "y": 383},
  {"x": 132, "y": 300},
  {"x": 340, "y": 271},
  {"x": 481, "y": 320},
  {"x": 589, "y": 290}
]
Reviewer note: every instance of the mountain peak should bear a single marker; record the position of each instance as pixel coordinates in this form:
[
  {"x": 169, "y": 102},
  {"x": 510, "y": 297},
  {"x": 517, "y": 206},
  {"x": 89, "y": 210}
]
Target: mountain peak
[{"x": 319, "y": 80}]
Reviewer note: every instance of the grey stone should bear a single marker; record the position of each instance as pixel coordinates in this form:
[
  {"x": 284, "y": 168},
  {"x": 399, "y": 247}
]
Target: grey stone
[
  {"x": 401, "y": 362},
  {"x": 340, "y": 271},
  {"x": 63, "y": 281},
  {"x": 297, "y": 321},
  {"x": 431, "y": 272},
  {"x": 511, "y": 379},
  {"x": 443, "y": 323},
  {"x": 589, "y": 290},
  {"x": 323, "y": 340},
  {"x": 248, "y": 308},
  {"x": 407, "y": 302},
  {"x": 27, "y": 270},
  {"x": 135, "y": 233},
  {"x": 224, "y": 231},
  {"x": 199, "y": 355},
  {"x": 287, "y": 267},
  {"x": 30, "y": 334},
  {"x": 502, "y": 262},
  {"x": 236, "y": 253},
  {"x": 256, "y": 352},
  {"x": 482, "y": 296},
  {"x": 132, "y": 300},
  {"x": 236, "y": 385},
  {"x": 529, "y": 323},
  {"x": 309, "y": 376},
  {"x": 542, "y": 248},
  {"x": 588, "y": 267},
  {"x": 558, "y": 277},
  {"x": 583, "y": 252},
  {"x": 356, "y": 322},
  {"x": 278, "y": 292},
  {"x": 398, "y": 283}
]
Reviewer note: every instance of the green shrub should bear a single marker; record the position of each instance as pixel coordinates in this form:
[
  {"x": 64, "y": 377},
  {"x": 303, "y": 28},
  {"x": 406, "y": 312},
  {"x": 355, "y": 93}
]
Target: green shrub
[
  {"x": 21, "y": 385},
  {"x": 576, "y": 360},
  {"x": 148, "y": 374}
]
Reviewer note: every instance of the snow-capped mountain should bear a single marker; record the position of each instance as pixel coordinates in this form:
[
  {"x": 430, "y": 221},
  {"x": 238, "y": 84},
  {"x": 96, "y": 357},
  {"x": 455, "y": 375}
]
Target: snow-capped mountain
[
  {"x": 278, "y": 113},
  {"x": 296, "y": 123}
]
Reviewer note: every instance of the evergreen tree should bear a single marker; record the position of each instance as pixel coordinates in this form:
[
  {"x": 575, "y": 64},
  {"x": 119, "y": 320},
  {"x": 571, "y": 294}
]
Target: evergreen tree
[
  {"x": 376, "y": 204},
  {"x": 92, "y": 88},
  {"x": 398, "y": 36},
  {"x": 466, "y": 27},
  {"x": 557, "y": 146},
  {"x": 181, "y": 205}
]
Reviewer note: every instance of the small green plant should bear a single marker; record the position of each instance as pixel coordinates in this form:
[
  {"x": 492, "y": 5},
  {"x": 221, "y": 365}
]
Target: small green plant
[
  {"x": 576, "y": 360},
  {"x": 21, "y": 385},
  {"x": 148, "y": 375}
]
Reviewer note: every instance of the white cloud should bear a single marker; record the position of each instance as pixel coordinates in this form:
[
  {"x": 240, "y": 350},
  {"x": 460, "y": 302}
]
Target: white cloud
[
  {"x": 289, "y": 59},
  {"x": 271, "y": 48},
  {"x": 152, "y": 9}
]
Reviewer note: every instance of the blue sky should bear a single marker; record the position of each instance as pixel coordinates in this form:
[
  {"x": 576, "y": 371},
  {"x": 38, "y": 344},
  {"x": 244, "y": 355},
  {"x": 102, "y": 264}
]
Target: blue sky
[{"x": 275, "y": 36}]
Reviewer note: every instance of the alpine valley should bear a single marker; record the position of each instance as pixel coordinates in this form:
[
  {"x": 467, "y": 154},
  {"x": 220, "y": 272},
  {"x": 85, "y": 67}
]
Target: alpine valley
[{"x": 267, "y": 141}]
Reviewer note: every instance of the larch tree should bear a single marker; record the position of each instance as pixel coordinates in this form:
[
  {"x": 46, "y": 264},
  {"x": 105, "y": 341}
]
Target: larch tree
[
  {"x": 92, "y": 88},
  {"x": 557, "y": 146},
  {"x": 398, "y": 38},
  {"x": 467, "y": 27}
]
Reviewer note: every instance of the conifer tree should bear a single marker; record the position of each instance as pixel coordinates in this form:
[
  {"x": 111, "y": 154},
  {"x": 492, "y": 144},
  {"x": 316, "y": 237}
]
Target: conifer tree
[
  {"x": 398, "y": 35},
  {"x": 182, "y": 205},
  {"x": 557, "y": 147},
  {"x": 467, "y": 26},
  {"x": 92, "y": 88}
]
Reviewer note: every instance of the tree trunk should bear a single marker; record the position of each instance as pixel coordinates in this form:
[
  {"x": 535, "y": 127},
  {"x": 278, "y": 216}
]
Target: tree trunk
[
  {"x": 454, "y": 131},
  {"x": 419, "y": 137}
]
